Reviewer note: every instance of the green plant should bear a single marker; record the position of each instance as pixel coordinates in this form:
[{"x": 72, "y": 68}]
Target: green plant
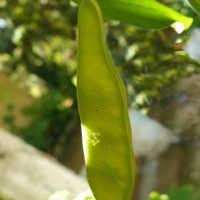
[
  {"x": 176, "y": 193},
  {"x": 102, "y": 97},
  {"x": 102, "y": 105}
]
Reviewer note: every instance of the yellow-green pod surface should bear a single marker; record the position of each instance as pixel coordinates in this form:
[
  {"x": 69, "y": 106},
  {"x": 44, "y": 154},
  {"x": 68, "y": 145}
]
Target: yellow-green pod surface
[{"x": 103, "y": 111}]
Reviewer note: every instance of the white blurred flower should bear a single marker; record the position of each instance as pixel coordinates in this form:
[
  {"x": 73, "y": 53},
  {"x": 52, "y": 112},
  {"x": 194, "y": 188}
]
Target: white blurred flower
[
  {"x": 150, "y": 138},
  {"x": 193, "y": 44}
]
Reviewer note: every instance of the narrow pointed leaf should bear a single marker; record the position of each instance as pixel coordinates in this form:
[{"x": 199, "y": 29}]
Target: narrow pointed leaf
[{"x": 142, "y": 13}]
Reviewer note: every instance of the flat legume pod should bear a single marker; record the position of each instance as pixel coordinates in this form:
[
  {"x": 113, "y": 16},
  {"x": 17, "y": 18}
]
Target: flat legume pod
[{"x": 103, "y": 111}]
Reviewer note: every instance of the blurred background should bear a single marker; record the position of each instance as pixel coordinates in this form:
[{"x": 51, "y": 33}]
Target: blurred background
[{"x": 161, "y": 71}]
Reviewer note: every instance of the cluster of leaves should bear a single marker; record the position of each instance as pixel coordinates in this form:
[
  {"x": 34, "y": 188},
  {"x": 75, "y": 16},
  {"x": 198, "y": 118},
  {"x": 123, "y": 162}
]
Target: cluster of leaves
[{"x": 149, "y": 61}]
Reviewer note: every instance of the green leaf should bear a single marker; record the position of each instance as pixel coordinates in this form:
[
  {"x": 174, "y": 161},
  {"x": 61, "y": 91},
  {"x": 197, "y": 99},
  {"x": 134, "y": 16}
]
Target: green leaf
[
  {"x": 195, "y": 4},
  {"x": 142, "y": 13}
]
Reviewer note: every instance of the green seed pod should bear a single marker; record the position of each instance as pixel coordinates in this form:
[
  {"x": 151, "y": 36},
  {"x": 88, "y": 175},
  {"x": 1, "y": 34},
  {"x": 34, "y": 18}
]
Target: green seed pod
[{"x": 102, "y": 102}]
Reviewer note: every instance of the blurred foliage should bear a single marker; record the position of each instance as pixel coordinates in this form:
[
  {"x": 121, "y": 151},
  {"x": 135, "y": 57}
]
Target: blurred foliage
[
  {"x": 38, "y": 39},
  {"x": 196, "y": 5},
  {"x": 38, "y": 48},
  {"x": 9, "y": 117},
  {"x": 176, "y": 193},
  {"x": 185, "y": 192},
  {"x": 149, "y": 61}
]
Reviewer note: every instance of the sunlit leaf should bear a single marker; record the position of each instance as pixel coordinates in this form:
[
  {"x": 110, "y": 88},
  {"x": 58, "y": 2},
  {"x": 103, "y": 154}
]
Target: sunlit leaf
[{"x": 143, "y": 13}]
